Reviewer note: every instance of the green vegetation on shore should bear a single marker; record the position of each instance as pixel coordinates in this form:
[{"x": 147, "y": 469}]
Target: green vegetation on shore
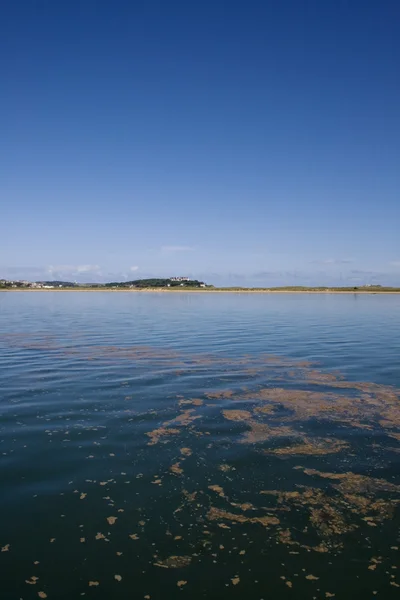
[
  {"x": 302, "y": 288},
  {"x": 181, "y": 284},
  {"x": 155, "y": 283}
]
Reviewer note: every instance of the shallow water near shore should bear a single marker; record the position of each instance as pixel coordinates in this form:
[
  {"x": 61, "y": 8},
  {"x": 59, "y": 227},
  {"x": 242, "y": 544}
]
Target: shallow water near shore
[{"x": 202, "y": 446}]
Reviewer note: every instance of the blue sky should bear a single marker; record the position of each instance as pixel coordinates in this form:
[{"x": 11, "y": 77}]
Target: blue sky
[{"x": 253, "y": 143}]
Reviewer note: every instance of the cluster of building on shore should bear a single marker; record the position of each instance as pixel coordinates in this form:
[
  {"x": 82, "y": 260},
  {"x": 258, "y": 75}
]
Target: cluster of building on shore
[
  {"x": 183, "y": 280},
  {"x": 26, "y": 284},
  {"x": 171, "y": 282}
]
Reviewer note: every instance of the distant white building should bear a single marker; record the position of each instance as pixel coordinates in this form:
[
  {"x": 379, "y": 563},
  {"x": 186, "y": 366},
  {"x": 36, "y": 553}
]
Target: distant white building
[{"x": 179, "y": 278}]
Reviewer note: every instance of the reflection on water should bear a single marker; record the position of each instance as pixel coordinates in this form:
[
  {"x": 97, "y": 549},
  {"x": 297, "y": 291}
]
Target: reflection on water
[{"x": 213, "y": 447}]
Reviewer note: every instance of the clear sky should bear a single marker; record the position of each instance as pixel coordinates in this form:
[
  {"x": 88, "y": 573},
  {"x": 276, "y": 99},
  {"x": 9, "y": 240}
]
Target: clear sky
[{"x": 253, "y": 142}]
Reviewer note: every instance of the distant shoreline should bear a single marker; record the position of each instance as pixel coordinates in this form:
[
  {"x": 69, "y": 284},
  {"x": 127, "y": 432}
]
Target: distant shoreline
[{"x": 207, "y": 291}]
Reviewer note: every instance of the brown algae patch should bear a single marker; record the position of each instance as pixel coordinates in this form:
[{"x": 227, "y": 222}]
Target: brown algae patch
[
  {"x": 189, "y": 496},
  {"x": 192, "y": 402},
  {"x": 174, "y": 562},
  {"x": 311, "y": 446},
  {"x": 186, "y": 452},
  {"x": 186, "y": 417},
  {"x": 244, "y": 506},
  {"x": 258, "y": 431},
  {"x": 352, "y": 483},
  {"x": 304, "y": 404},
  {"x": 261, "y": 432},
  {"x": 218, "y": 489},
  {"x": 329, "y": 521},
  {"x": 217, "y": 514},
  {"x": 159, "y": 434},
  {"x": 376, "y": 404},
  {"x": 176, "y": 469},
  {"x": 237, "y": 415},
  {"x": 345, "y": 507},
  {"x": 225, "y": 468}
]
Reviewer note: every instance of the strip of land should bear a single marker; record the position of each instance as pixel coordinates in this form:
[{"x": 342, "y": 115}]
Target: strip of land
[
  {"x": 211, "y": 290},
  {"x": 183, "y": 284}
]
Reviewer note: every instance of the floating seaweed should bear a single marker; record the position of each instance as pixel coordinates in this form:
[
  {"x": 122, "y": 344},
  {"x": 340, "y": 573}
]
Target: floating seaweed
[
  {"x": 174, "y": 562},
  {"x": 209, "y": 502}
]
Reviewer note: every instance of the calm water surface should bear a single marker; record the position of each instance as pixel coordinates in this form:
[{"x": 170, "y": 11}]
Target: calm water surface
[{"x": 215, "y": 446}]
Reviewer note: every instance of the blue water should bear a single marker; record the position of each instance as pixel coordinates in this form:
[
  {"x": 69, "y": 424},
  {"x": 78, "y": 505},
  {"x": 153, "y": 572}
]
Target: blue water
[{"x": 185, "y": 417}]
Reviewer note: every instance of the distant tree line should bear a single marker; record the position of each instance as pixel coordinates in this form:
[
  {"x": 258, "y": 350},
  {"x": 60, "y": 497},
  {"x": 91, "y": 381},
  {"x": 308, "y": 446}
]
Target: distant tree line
[
  {"x": 154, "y": 283},
  {"x": 58, "y": 283}
]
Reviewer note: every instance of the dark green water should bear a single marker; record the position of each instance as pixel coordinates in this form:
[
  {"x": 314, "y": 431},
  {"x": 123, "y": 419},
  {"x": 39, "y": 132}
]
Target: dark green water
[{"x": 199, "y": 446}]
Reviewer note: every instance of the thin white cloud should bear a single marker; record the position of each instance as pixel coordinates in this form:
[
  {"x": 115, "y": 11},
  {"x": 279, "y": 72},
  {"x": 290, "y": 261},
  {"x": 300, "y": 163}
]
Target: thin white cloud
[
  {"x": 133, "y": 269},
  {"x": 395, "y": 263},
  {"x": 87, "y": 268},
  {"x": 73, "y": 269},
  {"x": 59, "y": 268},
  {"x": 333, "y": 261},
  {"x": 177, "y": 248}
]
